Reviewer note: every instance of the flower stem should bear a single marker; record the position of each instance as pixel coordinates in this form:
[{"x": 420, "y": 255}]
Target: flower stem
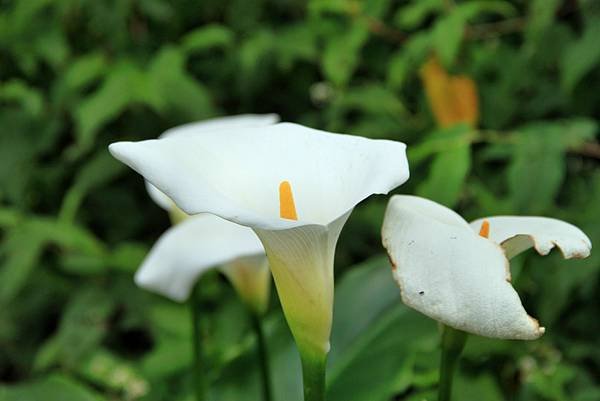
[
  {"x": 453, "y": 342},
  {"x": 198, "y": 368},
  {"x": 263, "y": 357},
  {"x": 313, "y": 375}
]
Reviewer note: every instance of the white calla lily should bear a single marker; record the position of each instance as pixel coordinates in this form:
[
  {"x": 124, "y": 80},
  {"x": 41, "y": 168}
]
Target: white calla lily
[
  {"x": 189, "y": 249},
  {"x": 186, "y": 251},
  {"x": 293, "y": 185},
  {"x": 451, "y": 273}
]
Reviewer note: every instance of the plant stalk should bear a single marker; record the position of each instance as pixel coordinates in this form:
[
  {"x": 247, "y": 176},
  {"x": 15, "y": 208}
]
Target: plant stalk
[
  {"x": 198, "y": 368},
  {"x": 313, "y": 375},
  {"x": 263, "y": 357},
  {"x": 453, "y": 343}
]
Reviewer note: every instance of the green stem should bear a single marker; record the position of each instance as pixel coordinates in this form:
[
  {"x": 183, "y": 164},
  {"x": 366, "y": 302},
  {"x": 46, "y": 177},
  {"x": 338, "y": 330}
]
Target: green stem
[
  {"x": 263, "y": 357},
  {"x": 453, "y": 342},
  {"x": 198, "y": 368},
  {"x": 313, "y": 375}
]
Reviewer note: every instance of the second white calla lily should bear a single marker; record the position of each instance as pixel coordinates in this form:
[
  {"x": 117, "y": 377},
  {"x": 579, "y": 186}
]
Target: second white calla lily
[
  {"x": 293, "y": 185},
  {"x": 200, "y": 243},
  {"x": 458, "y": 273}
]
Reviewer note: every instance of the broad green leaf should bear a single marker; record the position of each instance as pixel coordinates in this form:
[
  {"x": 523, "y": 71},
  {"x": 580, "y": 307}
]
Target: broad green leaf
[
  {"x": 52, "y": 388},
  {"x": 375, "y": 338}
]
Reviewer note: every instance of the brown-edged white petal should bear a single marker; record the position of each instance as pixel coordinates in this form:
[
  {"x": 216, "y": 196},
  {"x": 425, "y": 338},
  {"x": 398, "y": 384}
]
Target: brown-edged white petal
[
  {"x": 450, "y": 273},
  {"x": 519, "y": 233}
]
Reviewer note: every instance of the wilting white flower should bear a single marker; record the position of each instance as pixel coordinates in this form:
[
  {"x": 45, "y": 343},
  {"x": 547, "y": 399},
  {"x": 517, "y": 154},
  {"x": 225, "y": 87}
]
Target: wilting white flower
[
  {"x": 294, "y": 186},
  {"x": 200, "y": 243},
  {"x": 458, "y": 273}
]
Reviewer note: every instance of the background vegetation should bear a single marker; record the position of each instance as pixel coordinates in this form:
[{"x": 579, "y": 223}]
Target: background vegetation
[{"x": 497, "y": 100}]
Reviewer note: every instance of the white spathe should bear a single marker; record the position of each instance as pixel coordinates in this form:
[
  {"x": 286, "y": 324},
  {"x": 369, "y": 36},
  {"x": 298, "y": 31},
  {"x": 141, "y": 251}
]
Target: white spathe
[
  {"x": 237, "y": 173},
  {"x": 519, "y": 233},
  {"x": 448, "y": 272},
  {"x": 187, "y": 250},
  {"x": 198, "y": 128}
]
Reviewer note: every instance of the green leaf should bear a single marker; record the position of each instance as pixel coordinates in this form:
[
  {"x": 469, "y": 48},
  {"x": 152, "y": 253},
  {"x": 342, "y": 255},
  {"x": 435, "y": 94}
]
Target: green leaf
[
  {"x": 450, "y": 167},
  {"x": 375, "y": 338},
  {"x": 447, "y": 36},
  {"x": 82, "y": 328},
  {"x": 448, "y": 31},
  {"x": 18, "y": 91},
  {"x": 83, "y": 71},
  {"x": 581, "y": 56},
  {"x": 25, "y": 243},
  {"x": 182, "y": 96},
  {"x": 52, "y": 388},
  {"x": 95, "y": 173},
  {"x": 537, "y": 168},
  {"x": 408, "y": 59},
  {"x": 541, "y": 15},
  {"x": 124, "y": 85},
  {"x": 207, "y": 37},
  {"x": 415, "y": 13},
  {"x": 20, "y": 252},
  {"x": 342, "y": 54}
]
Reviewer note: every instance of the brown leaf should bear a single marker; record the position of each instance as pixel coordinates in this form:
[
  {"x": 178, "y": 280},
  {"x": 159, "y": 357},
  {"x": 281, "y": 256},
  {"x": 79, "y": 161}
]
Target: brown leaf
[{"x": 453, "y": 99}]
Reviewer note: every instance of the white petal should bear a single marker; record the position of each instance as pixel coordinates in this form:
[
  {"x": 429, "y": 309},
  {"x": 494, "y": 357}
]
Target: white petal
[
  {"x": 451, "y": 274},
  {"x": 220, "y": 123},
  {"x": 187, "y": 250},
  {"x": 198, "y": 128},
  {"x": 429, "y": 208},
  {"x": 301, "y": 260},
  {"x": 236, "y": 174},
  {"x": 158, "y": 197},
  {"x": 519, "y": 233}
]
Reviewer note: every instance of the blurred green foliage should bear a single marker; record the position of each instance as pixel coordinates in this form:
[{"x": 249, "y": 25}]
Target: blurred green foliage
[{"x": 76, "y": 75}]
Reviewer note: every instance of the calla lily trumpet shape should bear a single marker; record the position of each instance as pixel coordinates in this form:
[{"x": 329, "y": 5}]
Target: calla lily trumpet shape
[
  {"x": 200, "y": 243},
  {"x": 294, "y": 186},
  {"x": 458, "y": 273}
]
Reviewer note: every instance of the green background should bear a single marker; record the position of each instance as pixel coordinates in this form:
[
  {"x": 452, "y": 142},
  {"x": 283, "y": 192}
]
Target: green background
[{"x": 76, "y": 75}]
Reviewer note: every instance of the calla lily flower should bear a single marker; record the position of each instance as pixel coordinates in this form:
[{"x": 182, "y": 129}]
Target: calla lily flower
[
  {"x": 458, "y": 273},
  {"x": 203, "y": 242},
  {"x": 294, "y": 186},
  {"x": 200, "y": 243}
]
